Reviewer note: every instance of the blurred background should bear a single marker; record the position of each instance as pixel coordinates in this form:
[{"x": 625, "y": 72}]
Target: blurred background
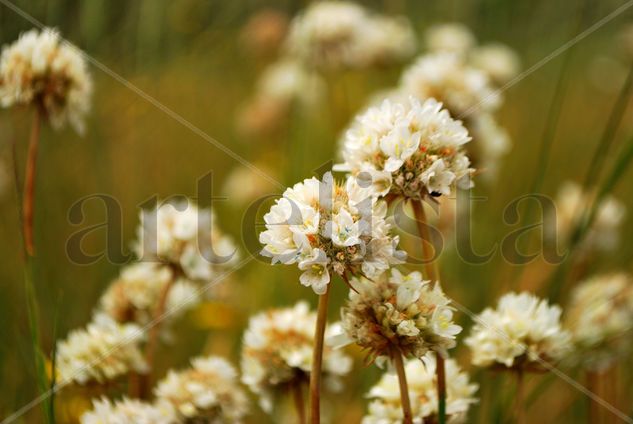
[{"x": 202, "y": 59}]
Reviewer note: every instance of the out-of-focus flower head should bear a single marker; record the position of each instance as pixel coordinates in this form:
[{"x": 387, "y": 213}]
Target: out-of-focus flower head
[
  {"x": 398, "y": 314},
  {"x": 327, "y": 227},
  {"x": 264, "y": 32},
  {"x": 185, "y": 238},
  {"x": 600, "y": 318},
  {"x": 206, "y": 392},
  {"x": 136, "y": 294},
  {"x": 103, "y": 351},
  {"x": 386, "y": 408},
  {"x": 242, "y": 185},
  {"x": 446, "y": 77},
  {"x": 43, "y": 70},
  {"x": 604, "y": 233},
  {"x": 450, "y": 37},
  {"x": 497, "y": 60},
  {"x": 128, "y": 411},
  {"x": 410, "y": 149},
  {"x": 520, "y": 333},
  {"x": 336, "y": 34},
  {"x": 277, "y": 353}
]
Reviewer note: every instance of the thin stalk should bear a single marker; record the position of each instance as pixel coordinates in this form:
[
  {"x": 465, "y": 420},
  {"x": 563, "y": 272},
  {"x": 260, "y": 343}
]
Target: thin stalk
[
  {"x": 431, "y": 272},
  {"x": 520, "y": 398},
  {"x": 613, "y": 123},
  {"x": 593, "y": 382},
  {"x": 440, "y": 374},
  {"x": 297, "y": 395},
  {"x": 32, "y": 306},
  {"x": 404, "y": 388},
  {"x": 317, "y": 358},
  {"x": 154, "y": 332},
  {"x": 430, "y": 266},
  {"x": 29, "y": 183}
]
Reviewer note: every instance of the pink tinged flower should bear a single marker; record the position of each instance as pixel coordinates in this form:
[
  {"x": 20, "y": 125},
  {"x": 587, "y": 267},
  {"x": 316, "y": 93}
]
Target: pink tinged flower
[{"x": 315, "y": 272}]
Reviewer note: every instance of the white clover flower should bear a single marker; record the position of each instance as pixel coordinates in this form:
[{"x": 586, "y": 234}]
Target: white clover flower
[
  {"x": 408, "y": 149},
  {"x": 186, "y": 238},
  {"x": 129, "y": 411},
  {"x": 105, "y": 350},
  {"x": 277, "y": 353},
  {"x": 462, "y": 89},
  {"x": 497, "y": 60},
  {"x": 326, "y": 227},
  {"x": 397, "y": 313},
  {"x": 337, "y": 34},
  {"x": 136, "y": 294},
  {"x": 604, "y": 234},
  {"x": 450, "y": 37},
  {"x": 206, "y": 392},
  {"x": 520, "y": 333},
  {"x": 600, "y": 318},
  {"x": 41, "y": 69},
  {"x": 385, "y": 407}
]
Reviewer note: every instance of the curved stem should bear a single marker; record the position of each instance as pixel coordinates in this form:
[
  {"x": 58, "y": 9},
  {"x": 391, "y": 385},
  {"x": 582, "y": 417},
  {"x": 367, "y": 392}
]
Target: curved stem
[
  {"x": 430, "y": 266},
  {"x": 404, "y": 388},
  {"x": 440, "y": 374},
  {"x": 317, "y": 358},
  {"x": 297, "y": 395},
  {"x": 29, "y": 183}
]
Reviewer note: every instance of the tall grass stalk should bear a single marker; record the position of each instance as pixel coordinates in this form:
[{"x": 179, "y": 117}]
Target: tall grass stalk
[
  {"x": 317, "y": 358},
  {"x": 431, "y": 272},
  {"x": 620, "y": 166}
]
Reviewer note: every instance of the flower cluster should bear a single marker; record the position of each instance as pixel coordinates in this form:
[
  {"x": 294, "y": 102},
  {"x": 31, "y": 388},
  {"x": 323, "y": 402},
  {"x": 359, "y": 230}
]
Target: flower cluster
[
  {"x": 496, "y": 60},
  {"x": 326, "y": 227},
  {"x": 409, "y": 149},
  {"x": 103, "y": 351},
  {"x": 398, "y": 313},
  {"x": 136, "y": 294},
  {"x": 206, "y": 392},
  {"x": 604, "y": 233},
  {"x": 520, "y": 333},
  {"x": 129, "y": 411},
  {"x": 43, "y": 70},
  {"x": 186, "y": 238},
  {"x": 336, "y": 34},
  {"x": 277, "y": 352},
  {"x": 386, "y": 408},
  {"x": 600, "y": 319}
]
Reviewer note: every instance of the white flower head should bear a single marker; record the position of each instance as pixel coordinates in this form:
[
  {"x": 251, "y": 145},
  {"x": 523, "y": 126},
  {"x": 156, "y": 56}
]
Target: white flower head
[
  {"x": 520, "y": 333},
  {"x": 206, "y": 392},
  {"x": 399, "y": 312},
  {"x": 277, "y": 352},
  {"x": 103, "y": 351},
  {"x": 411, "y": 149},
  {"x": 385, "y": 406},
  {"x": 498, "y": 61},
  {"x": 128, "y": 411},
  {"x": 186, "y": 238},
  {"x": 600, "y": 319},
  {"x": 329, "y": 228},
  {"x": 604, "y": 233},
  {"x": 450, "y": 37},
  {"x": 43, "y": 70},
  {"x": 338, "y": 34},
  {"x": 136, "y": 294}
]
